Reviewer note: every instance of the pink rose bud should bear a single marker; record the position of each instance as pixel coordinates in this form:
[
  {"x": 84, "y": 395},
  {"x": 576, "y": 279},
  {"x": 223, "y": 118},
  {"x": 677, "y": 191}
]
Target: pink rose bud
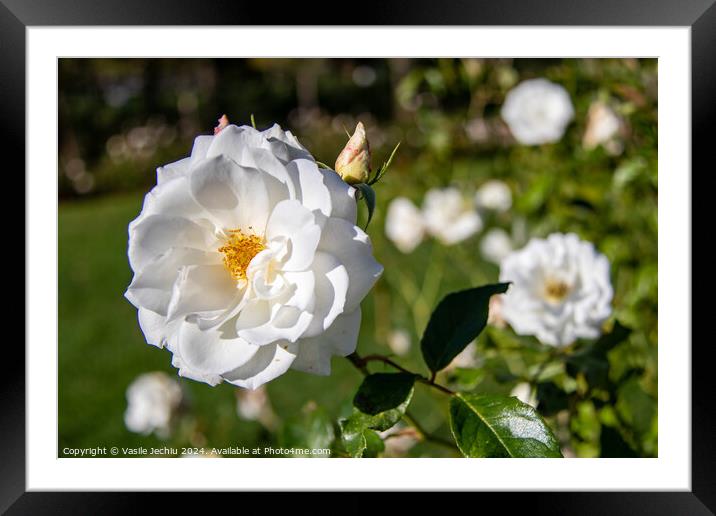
[
  {"x": 353, "y": 163},
  {"x": 223, "y": 122}
]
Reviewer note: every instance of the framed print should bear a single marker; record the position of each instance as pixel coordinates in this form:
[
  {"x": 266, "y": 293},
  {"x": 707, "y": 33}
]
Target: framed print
[{"x": 299, "y": 252}]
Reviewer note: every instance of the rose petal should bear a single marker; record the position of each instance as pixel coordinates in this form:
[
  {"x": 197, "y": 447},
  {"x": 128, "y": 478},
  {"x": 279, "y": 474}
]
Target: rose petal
[
  {"x": 343, "y": 196},
  {"x": 285, "y": 323},
  {"x": 269, "y": 362},
  {"x": 282, "y": 186},
  {"x": 236, "y": 196},
  {"x": 202, "y": 289},
  {"x": 206, "y": 352},
  {"x": 155, "y": 234},
  {"x": 313, "y": 193},
  {"x": 303, "y": 289},
  {"x": 314, "y": 353},
  {"x": 292, "y": 220},
  {"x": 153, "y": 326},
  {"x": 173, "y": 170},
  {"x": 171, "y": 198},
  {"x": 200, "y": 148},
  {"x": 152, "y": 286},
  {"x": 255, "y": 313},
  {"x": 283, "y": 144},
  {"x": 330, "y": 292},
  {"x": 209, "y": 321},
  {"x": 234, "y": 143},
  {"x": 352, "y": 247},
  {"x": 186, "y": 372}
]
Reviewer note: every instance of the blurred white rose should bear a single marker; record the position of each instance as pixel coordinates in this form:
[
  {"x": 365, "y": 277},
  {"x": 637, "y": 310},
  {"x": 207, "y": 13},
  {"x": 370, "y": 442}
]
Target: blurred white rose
[
  {"x": 399, "y": 342},
  {"x": 494, "y": 195},
  {"x": 523, "y": 392},
  {"x": 152, "y": 399},
  {"x": 537, "y": 111},
  {"x": 495, "y": 245},
  {"x": 560, "y": 289},
  {"x": 603, "y": 125},
  {"x": 398, "y": 440},
  {"x": 247, "y": 260},
  {"x": 478, "y": 130},
  {"x": 450, "y": 217},
  {"x": 494, "y": 315},
  {"x": 250, "y": 404},
  {"x": 404, "y": 224},
  {"x": 467, "y": 358},
  {"x": 254, "y": 405}
]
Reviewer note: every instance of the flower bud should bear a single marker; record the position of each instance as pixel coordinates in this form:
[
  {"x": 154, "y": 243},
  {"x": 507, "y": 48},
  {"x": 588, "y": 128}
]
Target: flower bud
[
  {"x": 353, "y": 163},
  {"x": 223, "y": 123}
]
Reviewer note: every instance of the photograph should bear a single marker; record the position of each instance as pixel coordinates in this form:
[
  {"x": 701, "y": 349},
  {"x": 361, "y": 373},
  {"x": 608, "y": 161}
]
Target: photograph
[{"x": 357, "y": 257}]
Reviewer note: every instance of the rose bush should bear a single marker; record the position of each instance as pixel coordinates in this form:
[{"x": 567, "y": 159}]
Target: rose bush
[{"x": 247, "y": 260}]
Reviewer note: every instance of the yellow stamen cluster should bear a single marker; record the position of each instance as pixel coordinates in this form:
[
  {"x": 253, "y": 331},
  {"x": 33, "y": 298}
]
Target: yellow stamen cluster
[
  {"x": 239, "y": 250},
  {"x": 555, "y": 290}
]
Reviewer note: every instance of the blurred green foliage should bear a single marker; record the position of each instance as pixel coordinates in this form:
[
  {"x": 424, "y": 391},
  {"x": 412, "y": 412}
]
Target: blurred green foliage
[{"x": 121, "y": 118}]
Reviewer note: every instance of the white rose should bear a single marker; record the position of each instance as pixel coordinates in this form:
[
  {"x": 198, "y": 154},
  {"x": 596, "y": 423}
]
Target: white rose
[
  {"x": 247, "y": 260},
  {"x": 537, "y": 111},
  {"x": 494, "y": 195},
  {"x": 560, "y": 289},
  {"x": 152, "y": 399},
  {"x": 495, "y": 245},
  {"x": 250, "y": 404},
  {"x": 449, "y": 217},
  {"x": 404, "y": 224},
  {"x": 603, "y": 125},
  {"x": 254, "y": 405},
  {"x": 399, "y": 342}
]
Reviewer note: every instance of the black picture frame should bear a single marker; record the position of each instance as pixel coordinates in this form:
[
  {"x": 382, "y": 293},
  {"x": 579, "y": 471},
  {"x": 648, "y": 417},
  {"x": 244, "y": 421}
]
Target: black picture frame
[{"x": 699, "y": 15}]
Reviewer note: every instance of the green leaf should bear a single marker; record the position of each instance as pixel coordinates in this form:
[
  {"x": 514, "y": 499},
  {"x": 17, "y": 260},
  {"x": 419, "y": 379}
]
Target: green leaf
[
  {"x": 467, "y": 379},
  {"x": 253, "y": 121},
  {"x": 352, "y": 436},
  {"x": 357, "y": 439},
  {"x": 384, "y": 168},
  {"x": 382, "y": 392},
  {"x": 368, "y": 195},
  {"x": 592, "y": 359},
  {"x": 381, "y": 401},
  {"x": 374, "y": 444},
  {"x": 635, "y": 406},
  {"x": 385, "y": 419},
  {"x": 499, "y": 426},
  {"x": 458, "y": 319}
]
